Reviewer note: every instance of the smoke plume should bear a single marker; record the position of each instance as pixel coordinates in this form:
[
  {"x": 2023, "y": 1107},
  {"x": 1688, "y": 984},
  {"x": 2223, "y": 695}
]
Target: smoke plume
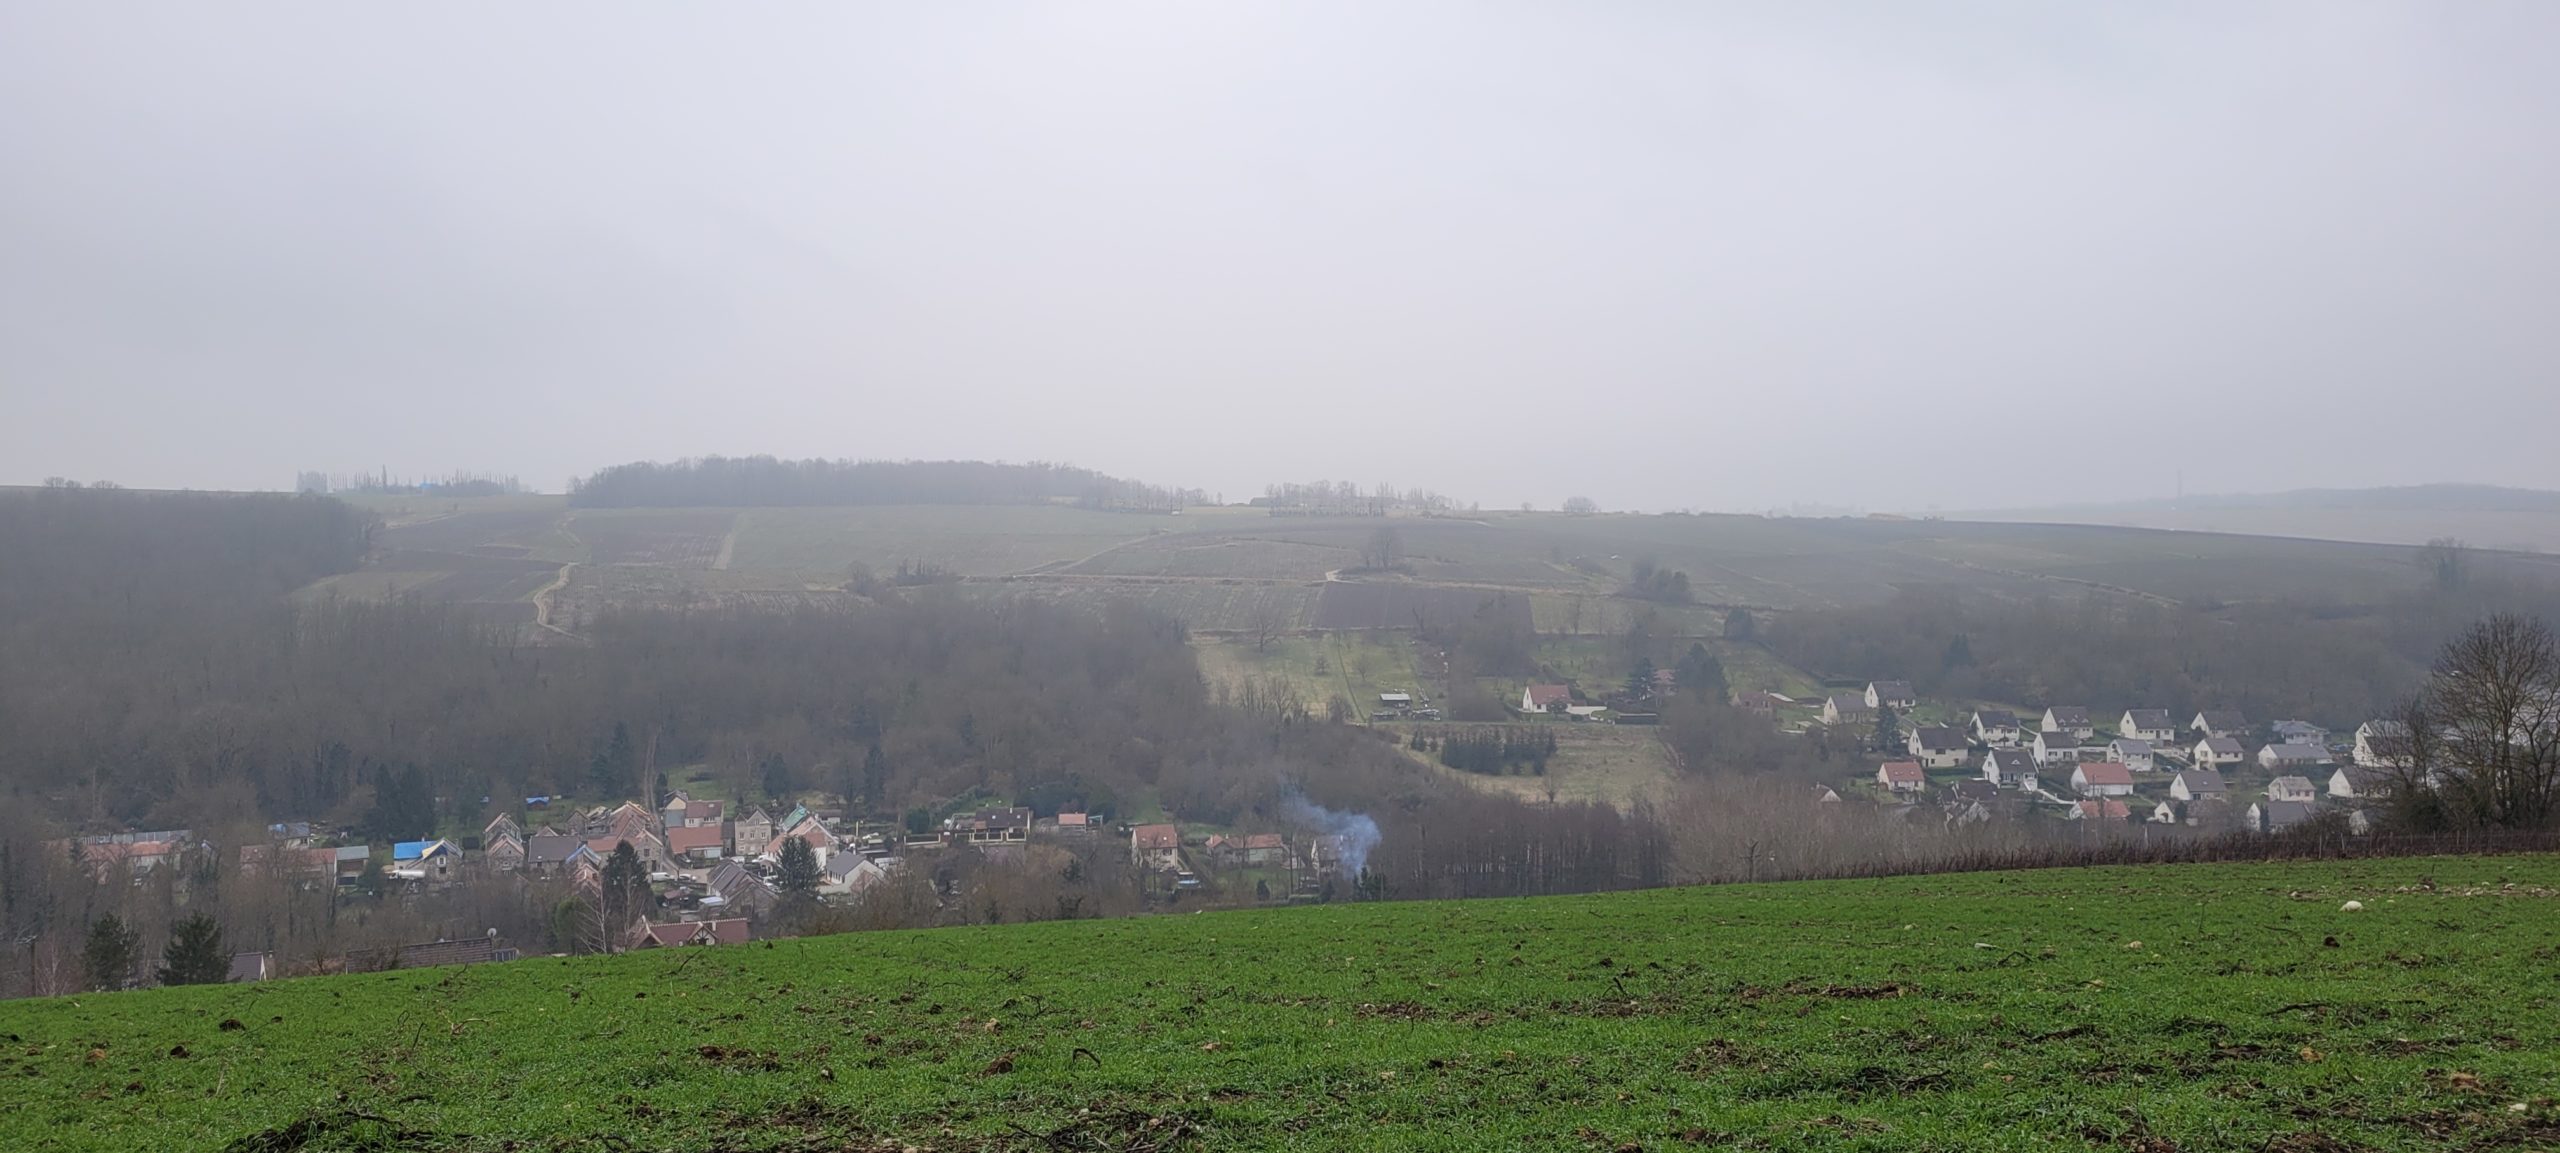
[{"x": 1359, "y": 834}]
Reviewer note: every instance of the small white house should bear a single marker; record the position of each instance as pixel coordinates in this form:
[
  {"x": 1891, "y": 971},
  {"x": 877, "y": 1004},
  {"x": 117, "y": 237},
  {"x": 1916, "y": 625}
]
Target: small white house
[
  {"x": 2272, "y": 815},
  {"x": 2196, "y": 785},
  {"x": 2228, "y": 725},
  {"x": 2164, "y": 813},
  {"x": 2278, "y": 757},
  {"x": 1845, "y": 708},
  {"x": 2292, "y": 789},
  {"x": 2134, "y": 752},
  {"x": 2357, "y": 783},
  {"x": 2009, "y": 769},
  {"x": 2102, "y": 779},
  {"x": 1997, "y": 728},
  {"x": 2219, "y": 753},
  {"x": 2153, "y": 725},
  {"x": 1938, "y": 747},
  {"x": 2382, "y": 744},
  {"x": 2071, "y": 719},
  {"x": 1901, "y": 777},
  {"x": 2299, "y": 733},
  {"x": 1895, "y": 693},
  {"x": 2056, "y": 748}
]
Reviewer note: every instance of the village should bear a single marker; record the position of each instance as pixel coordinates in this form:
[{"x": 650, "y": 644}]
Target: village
[
  {"x": 2217, "y": 771},
  {"x": 707, "y": 875}
]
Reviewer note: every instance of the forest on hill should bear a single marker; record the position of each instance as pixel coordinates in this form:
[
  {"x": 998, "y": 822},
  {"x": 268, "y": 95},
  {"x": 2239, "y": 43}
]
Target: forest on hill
[{"x": 765, "y": 481}]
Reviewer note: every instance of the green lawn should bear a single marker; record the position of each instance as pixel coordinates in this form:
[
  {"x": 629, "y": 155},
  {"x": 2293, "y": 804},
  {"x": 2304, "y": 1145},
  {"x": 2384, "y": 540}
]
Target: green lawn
[{"x": 2006, "y": 1011}]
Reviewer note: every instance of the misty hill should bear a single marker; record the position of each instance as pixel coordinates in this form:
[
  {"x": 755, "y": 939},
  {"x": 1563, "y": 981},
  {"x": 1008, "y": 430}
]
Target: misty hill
[
  {"x": 2487, "y": 516},
  {"x": 765, "y": 481}
]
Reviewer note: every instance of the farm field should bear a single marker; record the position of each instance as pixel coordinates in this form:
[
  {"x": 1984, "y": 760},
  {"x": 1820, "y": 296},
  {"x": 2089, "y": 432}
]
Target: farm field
[
  {"x": 1607, "y": 764},
  {"x": 2192, "y": 1007}
]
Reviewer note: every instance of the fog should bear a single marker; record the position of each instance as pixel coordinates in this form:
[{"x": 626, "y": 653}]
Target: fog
[{"x": 1709, "y": 256}]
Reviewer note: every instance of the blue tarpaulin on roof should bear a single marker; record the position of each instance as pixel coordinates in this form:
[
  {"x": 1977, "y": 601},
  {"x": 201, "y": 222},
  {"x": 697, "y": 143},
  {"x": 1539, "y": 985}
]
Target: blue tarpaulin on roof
[{"x": 409, "y": 850}]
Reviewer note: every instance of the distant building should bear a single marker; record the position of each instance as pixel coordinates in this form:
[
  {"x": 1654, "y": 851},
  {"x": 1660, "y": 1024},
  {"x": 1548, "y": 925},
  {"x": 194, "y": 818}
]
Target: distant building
[
  {"x": 1897, "y": 694},
  {"x": 1156, "y": 847},
  {"x": 2071, "y": 720},
  {"x": 2153, "y": 725},
  {"x": 1997, "y": 728}
]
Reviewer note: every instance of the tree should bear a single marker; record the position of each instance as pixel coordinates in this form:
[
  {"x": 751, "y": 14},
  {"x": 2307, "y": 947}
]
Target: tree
[
  {"x": 109, "y": 956},
  {"x": 875, "y": 776},
  {"x": 194, "y": 955},
  {"x": 1702, "y": 674},
  {"x": 404, "y": 806},
  {"x": 1268, "y": 623},
  {"x": 919, "y": 821},
  {"x": 1384, "y": 550},
  {"x": 1959, "y": 653},
  {"x": 798, "y": 876},
  {"x": 1888, "y": 729},
  {"x": 623, "y": 892},
  {"x": 2482, "y": 740},
  {"x": 372, "y": 879},
  {"x": 1738, "y": 625},
  {"x": 1581, "y": 505},
  {"x": 778, "y": 782},
  {"x": 2448, "y": 561}
]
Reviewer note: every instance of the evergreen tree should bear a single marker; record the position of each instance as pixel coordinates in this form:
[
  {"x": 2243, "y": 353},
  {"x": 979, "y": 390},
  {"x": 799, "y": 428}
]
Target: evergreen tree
[
  {"x": 109, "y": 956},
  {"x": 875, "y": 777},
  {"x": 1888, "y": 729},
  {"x": 778, "y": 783},
  {"x": 371, "y": 881},
  {"x": 1738, "y": 625},
  {"x": 1702, "y": 674},
  {"x": 194, "y": 955},
  {"x": 1959, "y": 653},
  {"x": 798, "y": 877},
  {"x": 404, "y": 806},
  {"x": 625, "y": 888}
]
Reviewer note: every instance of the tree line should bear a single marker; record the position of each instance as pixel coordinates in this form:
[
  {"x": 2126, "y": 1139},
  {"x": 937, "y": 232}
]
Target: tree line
[{"x": 755, "y": 481}]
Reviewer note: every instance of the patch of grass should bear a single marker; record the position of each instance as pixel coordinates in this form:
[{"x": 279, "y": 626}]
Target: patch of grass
[
  {"x": 1610, "y": 764},
  {"x": 1984, "y": 1011}
]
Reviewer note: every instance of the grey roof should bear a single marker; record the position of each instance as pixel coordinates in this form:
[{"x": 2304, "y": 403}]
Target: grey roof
[
  {"x": 1849, "y": 701},
  {"x": 2150, "y": 718},
  {"x": 1893, "y": 690},
  {"x": 2223, "y": 746},
  {"x": 2069, "y": 715},
  {"x": 1938, "y": 737},
  {"x": 2014, "y": 760},
  {"x": 551, "y": 849},
  {"x": 2201, "y": 781},
  {"x": 2130, "y": 745},
  {"x": 2224, "y": 720},
  {"x": 2278, "y": 814},
  {"x": 1995, "y": 718},
  {"x": 2295, "y": 752}
]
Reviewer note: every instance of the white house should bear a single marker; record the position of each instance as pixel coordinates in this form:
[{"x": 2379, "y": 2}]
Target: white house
[
  {"x": 2071, "y": 719},
  {"x": 2133, "y": 752},
  {"x": 2219, "y": 752},
  {"x": 2196, "y": 785},
  {"x": 1844, "y": 708},
  {"x": 1895, "y": 693},
  {"x": 2153, "y": 725},
  {"x": 2292, "y": 789},
  {"x": 1901, "y": 777},
  {"x": 2231, "y": 726},
  {"x": 2381, "y": 744},
  {"x": 2274, "y": 757},
  {"x": 2272, "y": 816},
  {"x": 2299, "y": 733},
  {"x": 2056, "y": 748},
  {"x": 2164, "y": 813},
  {"x": 1937, "y": 747},
  {"x": 1541, "y": 698},
  {"x": 2357, "y": 783},
  {"x": 2102, "y": 779},
  {"x": 2010, "y": 769},
  {"x": 1997, "y": 728}
]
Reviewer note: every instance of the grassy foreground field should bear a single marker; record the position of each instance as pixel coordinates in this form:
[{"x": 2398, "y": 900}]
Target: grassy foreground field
[{"x": 1976, "y": 1011}]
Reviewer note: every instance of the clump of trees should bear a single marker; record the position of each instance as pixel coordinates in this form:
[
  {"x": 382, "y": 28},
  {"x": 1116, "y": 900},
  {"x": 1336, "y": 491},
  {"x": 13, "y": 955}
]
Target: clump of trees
[
  {"x": 1648, "y": 580},
  {"x": 1490, "y": 751},
  {"x": 2479, "y": 746}
]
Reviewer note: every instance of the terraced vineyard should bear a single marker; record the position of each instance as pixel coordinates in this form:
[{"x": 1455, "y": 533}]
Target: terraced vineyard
[{"x": 2221, "y": 1007}]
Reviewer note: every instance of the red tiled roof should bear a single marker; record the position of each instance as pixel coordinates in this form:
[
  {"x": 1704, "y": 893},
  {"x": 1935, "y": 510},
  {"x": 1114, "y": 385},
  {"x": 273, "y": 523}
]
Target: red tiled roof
[
  {"x": 2106, "y": 773},
  {"x": 1156, "y": 837},
  {"x": 686, "y": 839},
  {"x": 1904, "y": 772},
  {"x": 1540, "y": 696}
]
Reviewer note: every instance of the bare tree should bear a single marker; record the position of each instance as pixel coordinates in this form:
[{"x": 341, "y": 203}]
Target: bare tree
[
  {"x": 1581, "y": 505},
  {"x": 2480, "y": 746},
  {"x": 2448, "y": 560},
  {"x": 1384, "y": 550},
  {"x": 1268, "y": 623}
]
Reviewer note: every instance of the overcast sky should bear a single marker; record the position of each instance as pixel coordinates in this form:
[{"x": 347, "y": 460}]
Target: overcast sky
[{"x": 1670, "y": 255}]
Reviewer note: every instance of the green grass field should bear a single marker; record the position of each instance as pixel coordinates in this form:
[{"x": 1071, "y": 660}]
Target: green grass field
[{"x": 1984, "y": 1011}]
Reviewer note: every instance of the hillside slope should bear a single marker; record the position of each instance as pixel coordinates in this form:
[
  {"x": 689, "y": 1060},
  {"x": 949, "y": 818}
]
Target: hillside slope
[{"x": 1976, "y": 1011}]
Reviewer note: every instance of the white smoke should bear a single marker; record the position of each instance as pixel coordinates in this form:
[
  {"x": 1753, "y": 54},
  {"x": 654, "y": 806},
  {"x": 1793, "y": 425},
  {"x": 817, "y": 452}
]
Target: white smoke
[{"x": 1359, "y": 834}]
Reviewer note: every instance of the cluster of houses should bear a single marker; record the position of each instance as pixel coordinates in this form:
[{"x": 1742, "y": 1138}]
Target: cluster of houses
[
  {"x": 2146, "y": 767},
  {"x": 1159, "y": 850}
]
